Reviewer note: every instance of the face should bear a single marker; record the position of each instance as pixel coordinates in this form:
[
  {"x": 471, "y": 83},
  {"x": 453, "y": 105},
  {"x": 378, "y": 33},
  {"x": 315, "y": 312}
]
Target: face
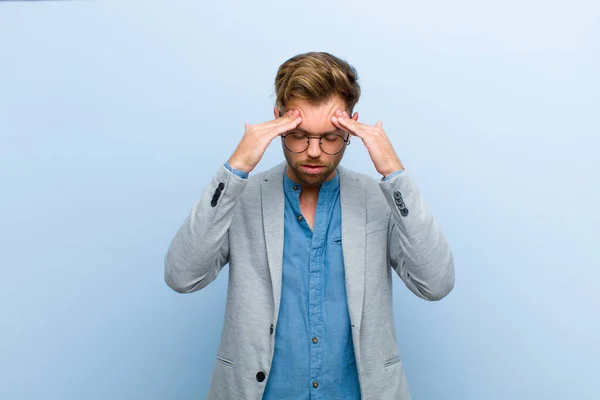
[{"x": 313, "y": 167}]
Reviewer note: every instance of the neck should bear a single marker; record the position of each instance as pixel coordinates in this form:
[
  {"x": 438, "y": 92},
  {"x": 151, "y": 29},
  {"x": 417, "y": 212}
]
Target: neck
[
  {"x": 309, "y": 198},
  {"x": 310, "y": 192}
]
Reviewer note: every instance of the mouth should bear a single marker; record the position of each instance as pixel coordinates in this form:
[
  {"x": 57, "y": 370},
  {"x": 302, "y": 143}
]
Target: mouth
[{"x": 312, "y": 169}]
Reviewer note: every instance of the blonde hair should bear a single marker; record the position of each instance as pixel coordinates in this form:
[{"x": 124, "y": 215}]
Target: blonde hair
[{"x": 315, "y": 77}]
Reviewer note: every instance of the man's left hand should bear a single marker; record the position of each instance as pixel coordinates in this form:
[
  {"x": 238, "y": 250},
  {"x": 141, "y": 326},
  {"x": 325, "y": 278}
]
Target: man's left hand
[{"x": 376, "y": 141}]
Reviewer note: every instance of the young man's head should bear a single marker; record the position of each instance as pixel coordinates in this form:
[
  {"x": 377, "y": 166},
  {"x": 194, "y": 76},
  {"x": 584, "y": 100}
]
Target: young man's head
[{"x": 315, "y": 84}]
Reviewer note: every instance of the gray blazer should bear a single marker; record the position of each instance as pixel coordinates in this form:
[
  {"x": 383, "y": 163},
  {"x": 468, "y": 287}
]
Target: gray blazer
[{"x": 385, "y": 226}]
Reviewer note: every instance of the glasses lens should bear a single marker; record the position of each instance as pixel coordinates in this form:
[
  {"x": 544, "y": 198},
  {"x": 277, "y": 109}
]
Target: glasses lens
[
  {"x": 296, "y": 142},
  {"x": 332, "y": 144}
]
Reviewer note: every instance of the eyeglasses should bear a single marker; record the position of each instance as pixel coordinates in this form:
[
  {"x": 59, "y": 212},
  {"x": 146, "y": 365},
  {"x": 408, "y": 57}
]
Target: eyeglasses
[{"x": 331, "y": 143}]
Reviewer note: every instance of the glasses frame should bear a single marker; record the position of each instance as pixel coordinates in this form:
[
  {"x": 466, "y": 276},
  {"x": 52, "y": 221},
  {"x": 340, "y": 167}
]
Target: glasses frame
[{"x": 308, "y": 137}]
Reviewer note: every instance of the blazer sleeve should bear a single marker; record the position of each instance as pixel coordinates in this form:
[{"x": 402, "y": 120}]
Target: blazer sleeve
[
  {"x": 200, "y": 247},
  {"x": 418, "y": 251}
]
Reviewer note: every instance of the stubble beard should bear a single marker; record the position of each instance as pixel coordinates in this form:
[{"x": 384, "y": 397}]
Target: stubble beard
[{"x": 312, "y": 180}]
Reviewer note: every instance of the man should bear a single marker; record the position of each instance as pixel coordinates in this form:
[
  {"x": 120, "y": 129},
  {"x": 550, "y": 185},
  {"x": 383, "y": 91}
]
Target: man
[{"x": 311, "y": 246}]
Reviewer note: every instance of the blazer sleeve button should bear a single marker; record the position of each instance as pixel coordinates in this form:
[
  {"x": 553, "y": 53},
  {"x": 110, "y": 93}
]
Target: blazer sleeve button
[{"x": 221, "y": 185}]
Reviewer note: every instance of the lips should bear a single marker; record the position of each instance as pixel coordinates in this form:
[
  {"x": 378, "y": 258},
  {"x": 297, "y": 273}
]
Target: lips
[{"x": 313, "y": 168}]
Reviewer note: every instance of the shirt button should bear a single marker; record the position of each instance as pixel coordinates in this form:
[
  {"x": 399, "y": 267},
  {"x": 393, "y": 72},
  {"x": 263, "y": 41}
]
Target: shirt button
[
  {"x": 315, "y": 384},
  {"x": 315, "y": 340},
  {"x": 299, "y": 217},
  {"x": 295, "y": 187}
]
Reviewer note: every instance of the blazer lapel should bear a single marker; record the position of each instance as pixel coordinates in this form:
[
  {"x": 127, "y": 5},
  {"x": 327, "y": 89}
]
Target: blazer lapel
[
  {"x": 354, "y": 220},
  {"x": 273, "y": 208}
]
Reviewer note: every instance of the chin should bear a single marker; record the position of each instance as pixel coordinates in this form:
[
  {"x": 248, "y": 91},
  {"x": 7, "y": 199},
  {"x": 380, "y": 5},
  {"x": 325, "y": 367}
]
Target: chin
[{"x": 312, "y": 180}]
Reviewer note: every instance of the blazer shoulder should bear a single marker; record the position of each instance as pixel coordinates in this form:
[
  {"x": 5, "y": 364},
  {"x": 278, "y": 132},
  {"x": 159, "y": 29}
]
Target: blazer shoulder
[
  {"x": 252, "y": 192},
  {"x": 256, "y": 179},
  {"x": 363, "y": 180},
  {"x": 374, "y": 197}
]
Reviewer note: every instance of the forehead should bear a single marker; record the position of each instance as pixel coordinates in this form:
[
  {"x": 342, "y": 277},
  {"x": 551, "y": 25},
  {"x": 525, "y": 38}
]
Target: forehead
[{"x": 316, "y": 119}]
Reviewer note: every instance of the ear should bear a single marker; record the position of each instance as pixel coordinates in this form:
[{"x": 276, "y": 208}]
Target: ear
[
  {"x": 276, "y": 112},
  {"x": 355, "y": 116}
]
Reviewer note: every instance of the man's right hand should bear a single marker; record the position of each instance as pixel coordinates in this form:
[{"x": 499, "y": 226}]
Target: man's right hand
[{"x": 257, "y": 138}]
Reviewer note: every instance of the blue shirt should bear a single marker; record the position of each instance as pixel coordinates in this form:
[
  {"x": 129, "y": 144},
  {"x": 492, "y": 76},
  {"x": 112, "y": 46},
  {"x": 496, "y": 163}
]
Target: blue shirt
[{"x": 314, "y": 355}]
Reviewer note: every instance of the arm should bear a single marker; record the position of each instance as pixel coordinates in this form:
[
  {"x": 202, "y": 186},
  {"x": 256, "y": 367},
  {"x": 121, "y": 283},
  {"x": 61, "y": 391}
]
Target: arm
[
  {"x": 418, "y": 251},
  {"x": 200, "y": 247}
]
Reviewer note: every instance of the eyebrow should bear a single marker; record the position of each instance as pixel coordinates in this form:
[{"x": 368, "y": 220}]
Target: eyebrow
[{"x": 337, "y": 131}]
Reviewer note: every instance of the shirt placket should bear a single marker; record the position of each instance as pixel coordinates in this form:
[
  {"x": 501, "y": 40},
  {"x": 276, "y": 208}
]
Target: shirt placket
[{"x": 316, "y": 298}]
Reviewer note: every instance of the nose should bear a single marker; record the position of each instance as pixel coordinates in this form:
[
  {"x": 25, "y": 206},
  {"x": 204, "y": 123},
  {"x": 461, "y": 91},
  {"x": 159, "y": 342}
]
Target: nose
[{"x": 314, "y": 147}]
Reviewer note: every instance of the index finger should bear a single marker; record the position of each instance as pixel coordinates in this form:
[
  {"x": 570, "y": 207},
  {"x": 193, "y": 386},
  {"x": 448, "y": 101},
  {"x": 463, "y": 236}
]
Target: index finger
[
  {"x": 285, "y": 123},
  {"x": 347, "y": 124}
]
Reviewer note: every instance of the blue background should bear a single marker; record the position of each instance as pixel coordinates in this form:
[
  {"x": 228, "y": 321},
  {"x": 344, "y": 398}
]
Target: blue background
[{"x": 115, "y": 114}]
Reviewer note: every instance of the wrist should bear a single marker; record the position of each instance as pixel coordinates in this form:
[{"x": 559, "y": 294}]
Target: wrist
[
  {"x": 236, "y": 164},
  {"x": 391, "y": 169}
]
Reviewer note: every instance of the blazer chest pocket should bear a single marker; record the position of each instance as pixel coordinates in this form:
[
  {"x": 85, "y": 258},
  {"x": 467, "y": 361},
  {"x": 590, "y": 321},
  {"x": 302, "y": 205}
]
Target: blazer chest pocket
[
  {"x": 225, "y": 361},
  {"x": 377, "y": 225}
]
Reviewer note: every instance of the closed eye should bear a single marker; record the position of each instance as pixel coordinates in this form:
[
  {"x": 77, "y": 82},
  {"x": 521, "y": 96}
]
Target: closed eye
[{"x": 332, "y": 137}]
